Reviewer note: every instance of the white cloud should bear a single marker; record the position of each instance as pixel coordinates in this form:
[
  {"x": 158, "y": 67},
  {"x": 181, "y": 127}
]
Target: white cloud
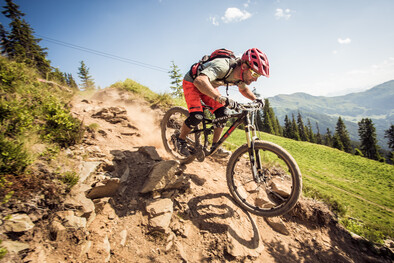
[
  {"x": 344, "y": 41},
  {"x": 283, "y": 13},
  {"x": 246, "y": 5},
  {"x": 234, "y": 14},
  {"x": 334, "y": 52}
]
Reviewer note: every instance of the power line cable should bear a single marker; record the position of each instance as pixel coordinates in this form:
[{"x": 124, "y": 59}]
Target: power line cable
[{"x": 104, "y": 54}]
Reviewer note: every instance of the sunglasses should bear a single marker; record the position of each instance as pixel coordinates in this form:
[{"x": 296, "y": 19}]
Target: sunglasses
[{"x": 254, "y": 74}]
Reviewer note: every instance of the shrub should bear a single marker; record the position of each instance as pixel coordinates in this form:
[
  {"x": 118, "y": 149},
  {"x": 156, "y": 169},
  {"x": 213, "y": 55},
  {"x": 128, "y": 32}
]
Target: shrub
[
  {"x": 12, "y": 74},
  {"x": 61, "y": 127},
  {"x": 360, "y": 228},
  {"x": 69, "y": 178},
  {"x": 163, "y": 100},
  {"x": 13, "y": 157}
]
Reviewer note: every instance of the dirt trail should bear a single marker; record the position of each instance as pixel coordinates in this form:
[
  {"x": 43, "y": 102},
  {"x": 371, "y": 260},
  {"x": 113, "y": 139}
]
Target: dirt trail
[{"x": 206, "y": 225}]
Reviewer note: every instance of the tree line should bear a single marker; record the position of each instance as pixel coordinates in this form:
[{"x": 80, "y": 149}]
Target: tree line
[
  {"x": 20, "y": 45},
  {"x": 295, "y": 128}
]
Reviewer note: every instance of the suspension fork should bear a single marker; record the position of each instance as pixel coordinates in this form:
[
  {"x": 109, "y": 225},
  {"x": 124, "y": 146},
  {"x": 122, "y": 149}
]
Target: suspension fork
[{"x": 254, "y": 154}]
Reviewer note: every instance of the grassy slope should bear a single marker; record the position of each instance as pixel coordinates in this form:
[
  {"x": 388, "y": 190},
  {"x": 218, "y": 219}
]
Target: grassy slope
[{"x": 363, "y": 186}]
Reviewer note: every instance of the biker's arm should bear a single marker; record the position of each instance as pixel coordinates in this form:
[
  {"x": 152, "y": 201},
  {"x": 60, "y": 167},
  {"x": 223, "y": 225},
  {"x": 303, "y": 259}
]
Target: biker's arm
[
  {"x": 203, "y": 84},
  {"x": 246, "y": 92}
]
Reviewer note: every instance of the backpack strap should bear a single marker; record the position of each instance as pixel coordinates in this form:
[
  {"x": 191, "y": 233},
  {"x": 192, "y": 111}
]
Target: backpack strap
[
  {"x": 196, "y": 67},
  {"x": 219, "y": 53},
  {"x": 233, "y": 64}
]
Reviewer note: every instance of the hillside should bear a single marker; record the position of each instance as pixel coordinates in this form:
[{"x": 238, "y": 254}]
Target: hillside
[
  {"x": 375, "y": 103},
  {"x": 195, "y": 221}
]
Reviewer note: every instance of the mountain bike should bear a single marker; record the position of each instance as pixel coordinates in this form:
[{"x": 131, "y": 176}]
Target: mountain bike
[{"x": 262, "y": 177}]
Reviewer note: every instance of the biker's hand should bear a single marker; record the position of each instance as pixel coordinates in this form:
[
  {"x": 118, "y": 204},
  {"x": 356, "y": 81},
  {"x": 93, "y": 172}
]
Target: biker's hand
[
  {"x": 229, "y": 103},
  {"x": 259, "y": 101}
]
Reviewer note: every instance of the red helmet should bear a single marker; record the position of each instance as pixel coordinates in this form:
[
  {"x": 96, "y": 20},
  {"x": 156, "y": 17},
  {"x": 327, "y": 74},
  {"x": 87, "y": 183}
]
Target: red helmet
[{"x": 258, "y": 61}]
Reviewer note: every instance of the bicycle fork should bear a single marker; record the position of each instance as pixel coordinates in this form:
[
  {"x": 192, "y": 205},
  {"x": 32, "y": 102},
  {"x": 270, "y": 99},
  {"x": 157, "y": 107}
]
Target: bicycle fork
[{"x": 254, "y": 155}]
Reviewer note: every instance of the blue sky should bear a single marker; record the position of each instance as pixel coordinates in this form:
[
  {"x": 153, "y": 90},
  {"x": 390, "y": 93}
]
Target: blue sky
[{"x": 314, "y": 46}]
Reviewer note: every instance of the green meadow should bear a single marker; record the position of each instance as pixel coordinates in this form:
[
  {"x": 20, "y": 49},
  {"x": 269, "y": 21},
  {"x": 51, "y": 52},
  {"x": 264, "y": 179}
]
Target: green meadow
[{"x": 358, "y": 190}]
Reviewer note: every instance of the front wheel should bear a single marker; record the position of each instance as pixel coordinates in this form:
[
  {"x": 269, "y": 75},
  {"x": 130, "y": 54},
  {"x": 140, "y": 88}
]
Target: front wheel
[{"x": 278, "y": 185}]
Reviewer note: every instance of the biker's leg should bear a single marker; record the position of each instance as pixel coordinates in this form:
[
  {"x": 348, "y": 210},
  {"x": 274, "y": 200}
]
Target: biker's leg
[
  {"x": 219, "y": 112},
  {"x": 217, "y": 132},
  {"x": 192, "y": 98},
  {"x": 184, "y": 131},
  {"x": 193, "y": 120}
]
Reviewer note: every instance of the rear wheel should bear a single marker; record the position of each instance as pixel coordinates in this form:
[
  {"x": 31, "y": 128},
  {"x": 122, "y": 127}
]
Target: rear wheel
[
  {"x": 279, "y": 186},
  {"x": 170, "y": 130}
]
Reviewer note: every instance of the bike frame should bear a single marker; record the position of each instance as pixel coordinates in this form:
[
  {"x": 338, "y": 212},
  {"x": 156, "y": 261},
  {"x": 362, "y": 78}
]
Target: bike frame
[{"x": 243, "y": 117}]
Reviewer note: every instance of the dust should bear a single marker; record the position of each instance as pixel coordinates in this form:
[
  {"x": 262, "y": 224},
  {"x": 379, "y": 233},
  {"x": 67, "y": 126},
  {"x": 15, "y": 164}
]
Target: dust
[
  {"x": 141, "y": 116},
  {"x": 147, "y": 124}
]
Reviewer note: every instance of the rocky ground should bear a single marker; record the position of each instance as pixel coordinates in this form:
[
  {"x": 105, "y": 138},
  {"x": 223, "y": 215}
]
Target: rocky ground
[{"x": 133, "y": 203}]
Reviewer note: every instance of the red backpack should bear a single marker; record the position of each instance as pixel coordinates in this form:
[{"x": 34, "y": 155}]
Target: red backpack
[{"x": 219, "y": 53}]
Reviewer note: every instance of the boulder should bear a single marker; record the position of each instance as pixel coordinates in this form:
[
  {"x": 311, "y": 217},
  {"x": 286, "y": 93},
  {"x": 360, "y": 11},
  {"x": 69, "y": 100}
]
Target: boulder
[
  {"x": 107, "y": 188},
  {"x": 151, "y": 152},
  {"x": 277, "y": 224},
  {"x": 18, "y": 223},
  {"x": 164, "y": 175},
  {"x": 14, "y": 246},
  {"x": 77, "y": 201},
  {"x": 160, "y": 213},
  {"x": 70, "y": 220}
]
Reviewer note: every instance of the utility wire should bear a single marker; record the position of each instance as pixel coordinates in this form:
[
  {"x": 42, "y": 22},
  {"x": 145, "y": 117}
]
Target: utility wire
[{"x": 103, "y": 54}]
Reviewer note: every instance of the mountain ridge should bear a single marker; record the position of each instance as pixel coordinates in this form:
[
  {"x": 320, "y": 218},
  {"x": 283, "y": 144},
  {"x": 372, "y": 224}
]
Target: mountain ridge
[{"x": 375, "y": 103}]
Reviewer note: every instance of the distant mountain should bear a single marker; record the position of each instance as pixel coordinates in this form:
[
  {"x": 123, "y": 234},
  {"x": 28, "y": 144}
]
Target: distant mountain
[{"x": 376, "y": 103}]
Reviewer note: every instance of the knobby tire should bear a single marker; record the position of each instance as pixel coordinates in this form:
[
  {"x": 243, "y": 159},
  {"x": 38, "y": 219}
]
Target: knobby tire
[
  {"x": 259, "y": 198},
  {"x": 171, "y": 123}
]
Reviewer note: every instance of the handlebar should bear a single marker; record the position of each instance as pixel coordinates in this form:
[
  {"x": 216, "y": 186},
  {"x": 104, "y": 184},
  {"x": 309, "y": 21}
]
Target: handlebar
[{"x": 250, "y": 106}]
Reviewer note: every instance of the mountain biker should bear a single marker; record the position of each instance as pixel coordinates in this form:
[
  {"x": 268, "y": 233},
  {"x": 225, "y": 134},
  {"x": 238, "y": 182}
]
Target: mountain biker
[{"x": 203, "y": 87}]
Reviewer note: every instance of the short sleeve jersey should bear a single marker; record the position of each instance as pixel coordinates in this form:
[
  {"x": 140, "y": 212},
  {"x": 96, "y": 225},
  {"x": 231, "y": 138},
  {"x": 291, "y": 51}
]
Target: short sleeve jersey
[{"x": 216, "y": 70}]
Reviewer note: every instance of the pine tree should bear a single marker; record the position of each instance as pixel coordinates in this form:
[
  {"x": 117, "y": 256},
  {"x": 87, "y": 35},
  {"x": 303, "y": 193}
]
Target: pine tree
[
  {"x": 268, "y": 125},
  {"x": 270, "y": 122},
  {"x": 367, "y": 133},
  {"x": 280, "y": 128},
  {"x": 19, "y": 44},
  {"x": 57, "y": 76},
  {"x": 287, "y": 129},
  {"x": 176, "y": 82},
  {"x": 259, "y": 120},
  {"x": 319, "y": 139},
  {"x": 301, "y": 128},
  {"x": 70, "y": 81},
  {"x": 337, "y": 143},
  {"x": 342, "y": 134},
  {"x": 295, "y": 134},
  {"x": 311, "y": 135},
  {"x": 4, "y": 43},
  {"x": 87, "y": 80},
  {"x": 389, "y": 134},
  {"x": 328, "y": 138}
]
